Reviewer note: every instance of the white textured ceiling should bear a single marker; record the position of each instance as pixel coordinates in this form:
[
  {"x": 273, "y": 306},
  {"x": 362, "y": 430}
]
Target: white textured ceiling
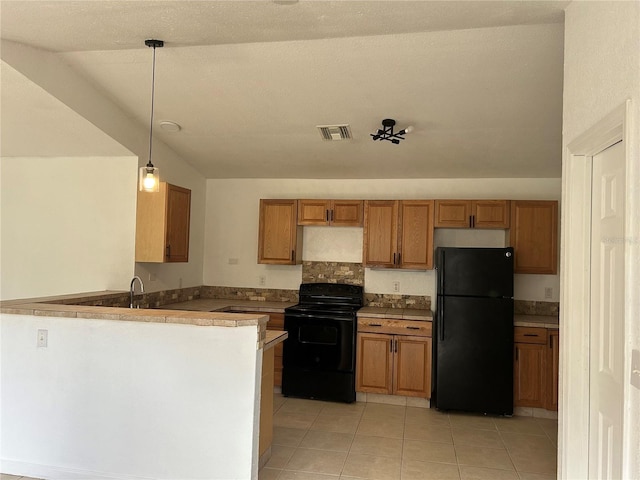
[{"x": 481, "y": 82}]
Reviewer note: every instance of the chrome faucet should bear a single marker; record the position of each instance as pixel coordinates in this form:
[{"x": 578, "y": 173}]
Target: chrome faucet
[{"x": 132, "y": 289}]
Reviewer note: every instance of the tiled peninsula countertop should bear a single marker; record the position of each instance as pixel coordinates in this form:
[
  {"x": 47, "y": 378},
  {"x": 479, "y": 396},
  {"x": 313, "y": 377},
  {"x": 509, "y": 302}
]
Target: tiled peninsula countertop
[{"x": 200, "y": 312}]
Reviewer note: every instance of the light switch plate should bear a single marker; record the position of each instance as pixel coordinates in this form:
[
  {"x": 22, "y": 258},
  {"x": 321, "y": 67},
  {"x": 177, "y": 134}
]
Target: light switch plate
[{"x": 635, "y": 368}]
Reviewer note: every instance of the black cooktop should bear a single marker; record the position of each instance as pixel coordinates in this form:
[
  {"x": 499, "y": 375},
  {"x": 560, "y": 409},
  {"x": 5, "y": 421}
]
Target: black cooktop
[{"x": 328, "y": 298}]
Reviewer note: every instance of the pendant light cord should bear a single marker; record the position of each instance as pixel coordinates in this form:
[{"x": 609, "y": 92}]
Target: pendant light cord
[{"x": 153, "y": 90}]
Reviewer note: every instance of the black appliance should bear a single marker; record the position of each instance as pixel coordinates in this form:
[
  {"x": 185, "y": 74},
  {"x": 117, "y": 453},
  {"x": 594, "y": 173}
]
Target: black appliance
[
  {"x": 319, "y": 354},
  {"x": 473, "y": 330}
]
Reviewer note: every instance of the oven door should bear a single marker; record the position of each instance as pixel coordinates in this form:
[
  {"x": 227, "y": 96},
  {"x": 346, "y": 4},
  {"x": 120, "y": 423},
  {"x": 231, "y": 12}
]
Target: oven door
[{"x": 318, "y": 342}]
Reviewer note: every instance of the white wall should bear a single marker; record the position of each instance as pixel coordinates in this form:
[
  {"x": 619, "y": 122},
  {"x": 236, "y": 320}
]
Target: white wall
[
  {"x": 602, "y": 70},
  {"x": 231, "y": 229},
  {"x": 68, "y": 225},
  {"x": 53, "y": 75},
  {"x": 115, "y": 399}
]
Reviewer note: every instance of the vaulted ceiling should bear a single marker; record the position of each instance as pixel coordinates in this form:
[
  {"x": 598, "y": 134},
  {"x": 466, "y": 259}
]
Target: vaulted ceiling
[{"x": 249, "y": 81}]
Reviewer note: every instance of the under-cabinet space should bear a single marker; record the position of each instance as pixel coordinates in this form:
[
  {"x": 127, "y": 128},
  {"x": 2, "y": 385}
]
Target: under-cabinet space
[{"x": 162, "y": 225}]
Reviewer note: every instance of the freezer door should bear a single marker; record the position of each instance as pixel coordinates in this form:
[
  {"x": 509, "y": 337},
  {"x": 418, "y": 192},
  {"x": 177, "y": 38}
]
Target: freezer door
[
  {"x": 481, "y": 272},
  {"x": 473, "y": 363}
]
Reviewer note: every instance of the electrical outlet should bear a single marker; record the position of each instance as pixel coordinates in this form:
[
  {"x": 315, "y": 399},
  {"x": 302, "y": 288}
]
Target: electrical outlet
[
  {"x": 233, "y": 261},
  {"x": 548, "y": 293},
  {"x": 153, "y": 277},
  {"x": 262, "y": 280},
  {"x": 180, "y": 282},
  {"x": 43, "y": 337},
  {"x": 396, "y": 286}
]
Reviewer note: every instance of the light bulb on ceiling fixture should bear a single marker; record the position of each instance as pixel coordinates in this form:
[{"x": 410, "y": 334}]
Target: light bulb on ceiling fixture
[{"x": 149, "y": 176}]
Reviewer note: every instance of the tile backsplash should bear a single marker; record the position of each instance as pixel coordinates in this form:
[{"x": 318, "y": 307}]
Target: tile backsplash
[
  {"x": 333, "y": 272},
  {"x": 532, "y": 307}
]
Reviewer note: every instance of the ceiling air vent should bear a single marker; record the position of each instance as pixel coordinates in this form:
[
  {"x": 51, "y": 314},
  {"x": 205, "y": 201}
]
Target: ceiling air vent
[{"x": 335, "y": 132}]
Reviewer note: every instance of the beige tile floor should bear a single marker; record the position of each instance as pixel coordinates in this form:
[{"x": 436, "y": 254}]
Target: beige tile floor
[{"x": 329, "y": 441}]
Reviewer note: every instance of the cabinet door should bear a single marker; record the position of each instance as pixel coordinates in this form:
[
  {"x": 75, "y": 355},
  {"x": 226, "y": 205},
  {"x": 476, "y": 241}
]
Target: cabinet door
[
  {"x": 534, "y": 236},
  {"x": 380, "y": 235},
  {"x": 416, "y": 234},
  {"x": 453, "y": 213},
  {"x": 178, "y": 213},
  {"x": 346, "y": 213},
  {"x": 374, "y": 363},
  {"x": 412, "y": 366},
  {"x": 529, "y": 375},
  {"x": 278, "y": 236},
  {"x": 313, "y": 212},
  {"x": 490, "y": 214},
  {"x": 553, "y": 363}
]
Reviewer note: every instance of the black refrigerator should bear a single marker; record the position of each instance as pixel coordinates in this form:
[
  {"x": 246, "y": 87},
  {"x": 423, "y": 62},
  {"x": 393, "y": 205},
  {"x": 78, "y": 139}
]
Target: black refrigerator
[{"x": 473, "y": 330}]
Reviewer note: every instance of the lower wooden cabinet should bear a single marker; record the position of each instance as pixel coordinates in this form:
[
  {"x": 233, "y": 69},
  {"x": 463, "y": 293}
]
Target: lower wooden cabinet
[
  {"x": 276, "y": 322},
  {"x": 529, "y": 379},
  {"x": 394, "y": 364},
  {"x": 553, "y": 368},
  {"x": 535, "y": 367}
]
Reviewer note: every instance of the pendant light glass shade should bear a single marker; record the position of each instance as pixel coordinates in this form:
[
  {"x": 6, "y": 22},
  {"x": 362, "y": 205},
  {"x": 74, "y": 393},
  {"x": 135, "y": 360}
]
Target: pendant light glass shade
[{"x": 149, "y": 177}]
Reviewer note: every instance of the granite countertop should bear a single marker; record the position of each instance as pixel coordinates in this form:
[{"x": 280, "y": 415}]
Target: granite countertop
[
  {"x": 273, "y": 337},
  {"x": 396, "y": 313},
  {"x": 540, "y": 321}
]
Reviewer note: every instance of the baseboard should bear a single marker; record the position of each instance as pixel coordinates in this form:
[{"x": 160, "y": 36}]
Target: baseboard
[
  {"x": 535, "y": 412},
  {"x": 52, "y": 472},
  {"x": 393, "y": 400}
]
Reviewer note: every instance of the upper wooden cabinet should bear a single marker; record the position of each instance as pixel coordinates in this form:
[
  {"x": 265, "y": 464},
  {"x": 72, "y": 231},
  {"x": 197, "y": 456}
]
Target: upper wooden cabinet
[
  {"x": 398, "y": 234},
  {"x": 534, "y": 236},
  {"x": 472, "y": 214},
  {"x": 162, "y": 225},
  {"x": 279, "y": 241},
  {"x": 339, "y": 213}
]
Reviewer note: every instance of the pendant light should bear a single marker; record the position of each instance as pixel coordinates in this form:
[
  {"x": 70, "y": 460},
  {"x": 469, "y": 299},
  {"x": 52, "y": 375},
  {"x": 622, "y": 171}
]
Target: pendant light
[{"x": 150, "y": 175}]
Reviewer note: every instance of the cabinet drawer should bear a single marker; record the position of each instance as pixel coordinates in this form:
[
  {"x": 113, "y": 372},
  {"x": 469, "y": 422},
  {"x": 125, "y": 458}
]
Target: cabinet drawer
[
  {"x": 394, "y": 327},
  {"x": 529, "y": 335}
]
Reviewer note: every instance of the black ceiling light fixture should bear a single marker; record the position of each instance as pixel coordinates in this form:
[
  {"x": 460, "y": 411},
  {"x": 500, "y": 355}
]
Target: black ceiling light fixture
[
  {"x": 387, "y": 132},
  {"x": 149, "y": 174}
]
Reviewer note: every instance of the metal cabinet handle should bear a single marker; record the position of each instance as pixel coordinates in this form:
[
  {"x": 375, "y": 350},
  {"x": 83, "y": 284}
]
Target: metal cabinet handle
[
  {"x": 396, "y": 342},
  {"x": 326, "y": 215},
  {"x": 394, "y": 258},
  {"x": 412, "y": 328},
  {"x": 168, "y": 250},
  {"x": 531, "y": 334},
  {"x": 332, "y": 215},
  {"x": 293, "y": 255},
  {"x": 374, "y": 324},
  {"x": 399, "y": 257}
]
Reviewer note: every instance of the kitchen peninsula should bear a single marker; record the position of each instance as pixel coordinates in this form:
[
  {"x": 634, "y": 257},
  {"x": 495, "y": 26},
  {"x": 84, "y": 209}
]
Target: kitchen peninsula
[{"x": 112, "y": 392}]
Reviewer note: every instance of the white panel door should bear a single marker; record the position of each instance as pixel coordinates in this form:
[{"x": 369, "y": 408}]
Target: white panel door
[{"x": 607, "y": 314}]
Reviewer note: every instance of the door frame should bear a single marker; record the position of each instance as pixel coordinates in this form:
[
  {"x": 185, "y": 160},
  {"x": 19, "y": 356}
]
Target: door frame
[{"x": 575, "y": 296}]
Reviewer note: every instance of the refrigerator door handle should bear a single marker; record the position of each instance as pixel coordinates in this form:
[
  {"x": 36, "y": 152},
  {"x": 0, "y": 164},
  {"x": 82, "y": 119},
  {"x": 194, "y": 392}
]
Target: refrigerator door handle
[{"x": 441, "y": 321}]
